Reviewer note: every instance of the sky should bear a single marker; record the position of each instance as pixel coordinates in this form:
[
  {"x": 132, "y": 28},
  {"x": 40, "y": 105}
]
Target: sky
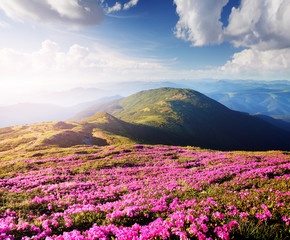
[{"x": 62, "y": 44}]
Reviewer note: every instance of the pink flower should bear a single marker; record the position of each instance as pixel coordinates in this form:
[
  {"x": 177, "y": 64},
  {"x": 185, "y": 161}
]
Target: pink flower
[
  {"x": 204, "y": 217},
  {"x": 190, "y": 218},
  {"x": 226, "y": 228},
  {"x": 223, "y": 235},
  {"x": 179, "y": 223},
  {"x": 201, "y": 236},
  {"x": 287, "y": 220},
  {"x": 218, "y": 215},
  {"x": 244, "y": 215},
  {"x": 136, "y": 227},
  {"x": 234, "y": 224},
  {"x": 68, "y": 224},
  {"x": 49, "y": 206},
  {"x": 203, "y": 227},
  {"x": 193, "y": 229},
  {"x": 264, "y": 206},
  {"x": 262, "y": 217}
]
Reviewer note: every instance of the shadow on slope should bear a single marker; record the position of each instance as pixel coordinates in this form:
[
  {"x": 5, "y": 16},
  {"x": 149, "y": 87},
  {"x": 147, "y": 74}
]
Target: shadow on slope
[
  {"x": 280, "y": 123},
  {"x": 136, "y": 132}
]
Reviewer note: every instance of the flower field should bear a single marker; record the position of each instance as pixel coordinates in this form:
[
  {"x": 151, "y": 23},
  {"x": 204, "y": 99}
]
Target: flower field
[{"x": 147, "y": 192}]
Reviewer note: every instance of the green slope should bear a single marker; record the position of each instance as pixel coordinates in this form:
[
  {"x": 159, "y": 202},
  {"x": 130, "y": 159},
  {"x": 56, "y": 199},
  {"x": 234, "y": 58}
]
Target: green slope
[
  {"x": 119, "y": 131},
  {"x": 190, "y": 118},
  {"x": 161, "y": 116},
  {"x": 161, "y": 107}
]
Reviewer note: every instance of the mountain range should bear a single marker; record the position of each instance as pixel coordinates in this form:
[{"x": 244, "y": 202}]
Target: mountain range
[
  {"x": 170, "y": 116},
  {"x": 265, "y": 98},
  {"x": 192, "y": 118}
]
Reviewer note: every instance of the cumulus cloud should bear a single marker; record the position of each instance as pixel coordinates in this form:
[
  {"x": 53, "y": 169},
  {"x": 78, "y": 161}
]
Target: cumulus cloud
[
  {"x": 49, "y": 59},
  {"x": 54, "y": 68},
  {"x": 254, "y": 60},
  {"x": 199, "y": 21},
  {"x": 50, "y": 67},
  {"x": 77, "y": 13},
  {"x": 118, "y": 6},
  {"x": 262, "y": 24},
  {"x": 130, "y": 4},
  {"x": 115, "y": 8}
]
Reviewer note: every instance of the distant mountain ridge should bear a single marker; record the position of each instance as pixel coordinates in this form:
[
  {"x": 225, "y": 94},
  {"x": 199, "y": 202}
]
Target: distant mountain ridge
[
  {"x": 271, "y": 98},
  {"x": 27, "y": 113},
  {"x": 257, "y": 101}
]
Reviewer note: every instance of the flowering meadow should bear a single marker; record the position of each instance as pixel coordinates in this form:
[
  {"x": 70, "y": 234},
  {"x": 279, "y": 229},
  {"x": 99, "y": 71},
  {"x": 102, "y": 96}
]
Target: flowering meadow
[{"x": 147, "y": 192}]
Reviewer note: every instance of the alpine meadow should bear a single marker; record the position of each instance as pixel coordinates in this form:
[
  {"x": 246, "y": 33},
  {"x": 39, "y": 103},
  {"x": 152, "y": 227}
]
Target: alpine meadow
[{"x": 145, "y": 120}]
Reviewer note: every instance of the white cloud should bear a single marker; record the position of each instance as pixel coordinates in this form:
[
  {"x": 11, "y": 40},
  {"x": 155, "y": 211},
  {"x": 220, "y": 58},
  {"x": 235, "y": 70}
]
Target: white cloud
[
  {"x": 78, "y": 62},
  {"x": 118, "y": 6},
  {"x": 115, "y": 8},
  {"x": 199, "y": 21},
  {"x": 250, "y": 64},
  {"x": 262, "y": 24},
  {"x": 53, "y": 68},
  {"x": 130, "y": 4},
  {"x": 254, "y": 60},
  {"x": 75, "y": 13}
]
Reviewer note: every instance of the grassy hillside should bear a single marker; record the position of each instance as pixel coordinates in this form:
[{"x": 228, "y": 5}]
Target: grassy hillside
[
  {"x": 161, "y": 116},
  {"x": 90, "y": 180},
  {"x": 160, "y": 106},
  {"x": 191, "y": 118},
  {"x": 146, "y": 192},
  {"x": 58, "y": 138},
  {"x": 45, "y": 139}
]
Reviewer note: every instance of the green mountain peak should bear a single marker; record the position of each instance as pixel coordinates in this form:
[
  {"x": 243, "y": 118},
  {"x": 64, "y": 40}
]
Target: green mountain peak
[{"x": 187, "y": 117}]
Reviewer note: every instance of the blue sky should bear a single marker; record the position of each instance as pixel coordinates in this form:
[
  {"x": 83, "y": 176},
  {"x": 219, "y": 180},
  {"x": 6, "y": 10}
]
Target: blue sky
[{"x": 53, "y": 44}]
